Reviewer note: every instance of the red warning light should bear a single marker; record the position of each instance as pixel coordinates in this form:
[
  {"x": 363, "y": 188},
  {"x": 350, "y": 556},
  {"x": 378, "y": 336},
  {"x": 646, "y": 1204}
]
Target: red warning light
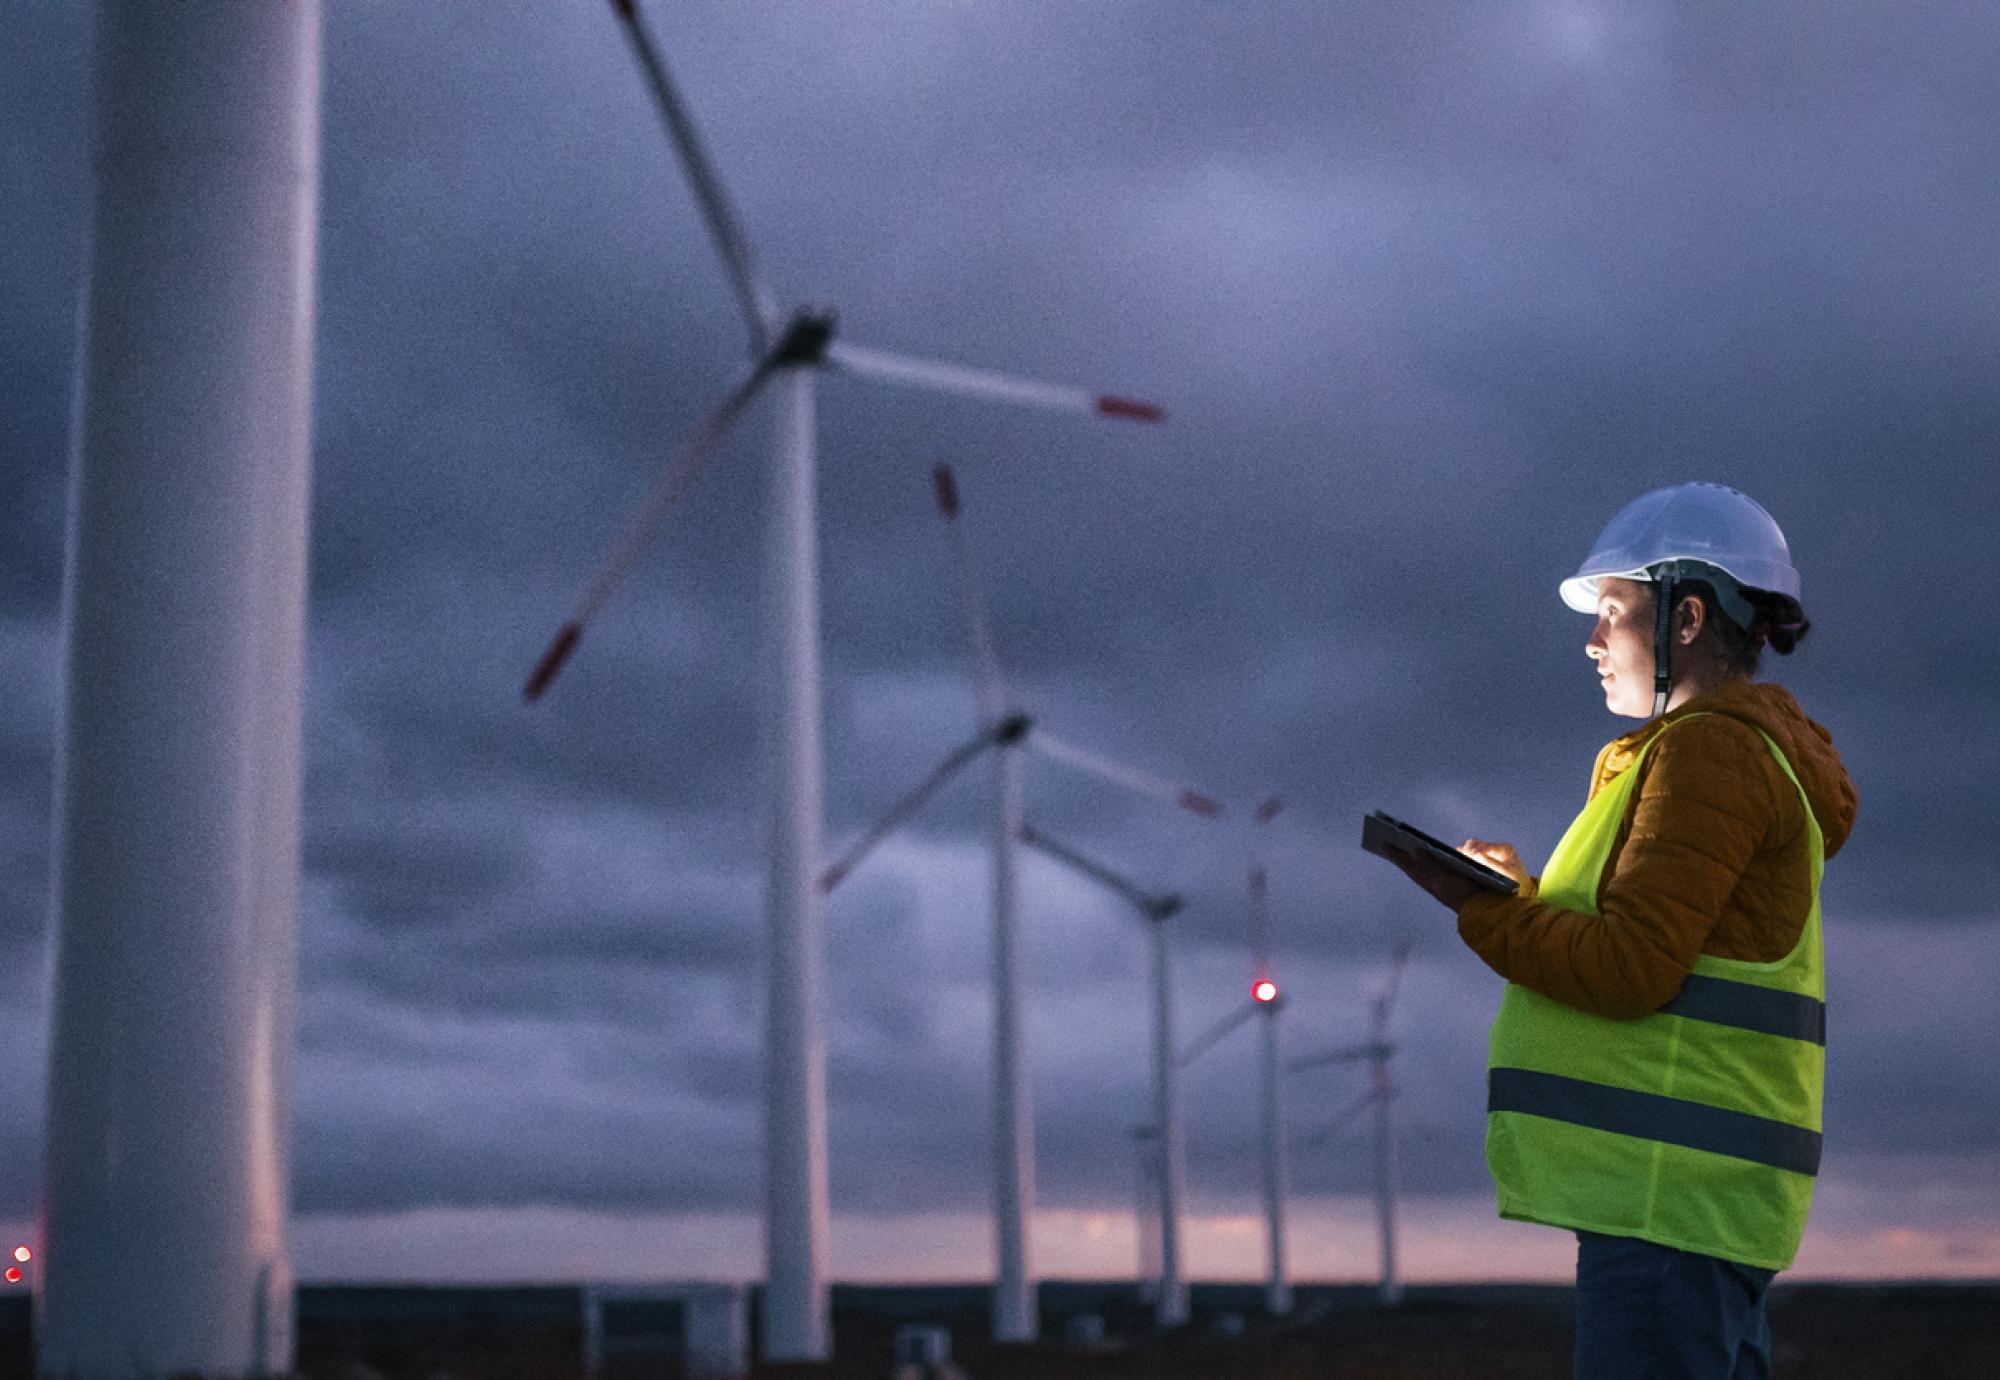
[
  {"x": 23, "y": 1254},
  {"x": 13, "y": 1274},
  {"x": 1265, "y": 991}
]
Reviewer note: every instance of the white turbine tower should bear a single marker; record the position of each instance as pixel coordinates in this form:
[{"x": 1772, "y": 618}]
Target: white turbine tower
[
  {"x": 1005, "y": 730},
  {"x": 176, "y": 812},
  {"x": 785, "y": 354},
  {"x": 1381, "y": 1095},
  {"x": 1171, "y": 1308},
  {"x": 1146, "y": 1216},
  {"x": 1266, "y": 1001},
  {"x": 1278, "y": 1288}
]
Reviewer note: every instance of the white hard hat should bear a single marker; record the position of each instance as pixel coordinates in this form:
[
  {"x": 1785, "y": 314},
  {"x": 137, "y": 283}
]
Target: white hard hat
[{"x": 1711, "y": 524}]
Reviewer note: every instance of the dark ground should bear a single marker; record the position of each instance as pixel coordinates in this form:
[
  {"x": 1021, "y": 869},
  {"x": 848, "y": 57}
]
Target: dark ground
[{"x": 1824, "y": 1332}]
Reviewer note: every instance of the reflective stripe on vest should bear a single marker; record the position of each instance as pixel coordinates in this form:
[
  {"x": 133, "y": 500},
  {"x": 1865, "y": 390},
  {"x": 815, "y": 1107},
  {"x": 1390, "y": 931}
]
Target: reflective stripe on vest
[
  {"x": 1719, "y": 1001},
  {"x": 1696, "y": 1127},
  {"x": 1649, "y": 1116}
]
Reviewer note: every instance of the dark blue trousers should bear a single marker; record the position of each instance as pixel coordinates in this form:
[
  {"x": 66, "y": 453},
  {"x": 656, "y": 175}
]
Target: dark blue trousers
[{"x": 1647, "y": 1312}]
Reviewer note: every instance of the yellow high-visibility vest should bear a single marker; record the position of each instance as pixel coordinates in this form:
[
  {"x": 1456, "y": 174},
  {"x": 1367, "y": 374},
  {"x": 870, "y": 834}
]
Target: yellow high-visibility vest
[{"x": 1697, "y": 1126}]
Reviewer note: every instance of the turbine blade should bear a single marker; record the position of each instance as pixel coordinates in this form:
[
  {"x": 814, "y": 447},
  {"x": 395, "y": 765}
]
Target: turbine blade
[
  {"x": 1348, "y": 1113},
  {"x": 987, "y": 682},
  {"x": 904, "y": 808},
  {"x": 1346, "y": 1054},
  {"x": 1214, "y": 1035},
  {"x": 552, "y": 660},
  {"x": 982, "y": 383},
  {"x": 687, "y": 461},
  {"x": 723, "y": 225},
  {"x": 1395, "y": 982},
  {"x": 1105, "y": 769},
  {"x": 1096, "y": 871}
]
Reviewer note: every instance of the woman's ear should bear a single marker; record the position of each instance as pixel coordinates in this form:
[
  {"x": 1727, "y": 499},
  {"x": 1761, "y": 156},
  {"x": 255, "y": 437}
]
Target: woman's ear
[{"x": 1689, "y": 619}]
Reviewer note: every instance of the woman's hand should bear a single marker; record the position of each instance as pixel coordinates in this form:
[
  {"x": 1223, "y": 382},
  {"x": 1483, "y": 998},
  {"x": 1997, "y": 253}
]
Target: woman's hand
[
  {"x": 1501, "y": 857},
  {"x": 1447, "y": 887}
]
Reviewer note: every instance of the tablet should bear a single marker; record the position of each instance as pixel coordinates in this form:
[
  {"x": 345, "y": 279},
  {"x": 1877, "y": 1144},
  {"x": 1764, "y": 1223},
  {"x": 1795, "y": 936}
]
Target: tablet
[{"x": 1383, "y": 834}]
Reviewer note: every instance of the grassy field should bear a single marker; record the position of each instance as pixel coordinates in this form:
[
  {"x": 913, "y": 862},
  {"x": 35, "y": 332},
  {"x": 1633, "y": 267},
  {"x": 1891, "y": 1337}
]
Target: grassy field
[{"x": 1824, "y": 1332}]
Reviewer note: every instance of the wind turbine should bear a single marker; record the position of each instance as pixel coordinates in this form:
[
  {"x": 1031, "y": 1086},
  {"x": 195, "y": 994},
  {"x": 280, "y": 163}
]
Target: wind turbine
[
  {"x": 1266, "y": 1001},
  {"x": 1278, "y": 1290},
  {"x": 1381, "y": 1095},
  {"x": 1005, "y": 730},
  {"x": 174, "y": 821},
  {"x": 1156, "y": 909},
  {"x": 785, "y": 354}
]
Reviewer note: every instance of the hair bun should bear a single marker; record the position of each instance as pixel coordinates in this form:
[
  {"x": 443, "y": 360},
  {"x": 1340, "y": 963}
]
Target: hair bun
[{"x": 1783, "y": 637}]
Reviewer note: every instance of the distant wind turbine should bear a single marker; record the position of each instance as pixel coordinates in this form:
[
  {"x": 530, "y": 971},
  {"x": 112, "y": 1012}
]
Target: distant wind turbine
[
  {"x": 1005, "y": 730},
  {"x": 1381, "y": 1095},
  {"x": 785, "y": 354},
  {"x": 1156, "y": 909},
  {"x": 1266, "y": 1001}
]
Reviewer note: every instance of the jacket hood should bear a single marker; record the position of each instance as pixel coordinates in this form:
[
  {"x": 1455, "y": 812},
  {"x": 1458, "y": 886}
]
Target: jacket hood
[{"x": 1806, "y": 745}]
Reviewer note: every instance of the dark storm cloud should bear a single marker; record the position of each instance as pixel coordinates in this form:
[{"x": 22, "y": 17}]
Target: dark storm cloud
[
  {"x": 1429, "y": 290},
  {"x": 21, "y": 1084},
  {"x": 382, "y": 1132},
  {"x": 586, "y": 918},
  {"x": 620, "y": 971},
  {"x": 393, "y": 879},
  {"x": 42, "y": 102},
  {"x": 27, "y": 688}
]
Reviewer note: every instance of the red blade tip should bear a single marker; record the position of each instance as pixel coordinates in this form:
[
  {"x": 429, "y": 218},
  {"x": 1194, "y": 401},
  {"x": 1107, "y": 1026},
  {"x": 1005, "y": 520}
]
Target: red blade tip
[
  {"x": 1130, "y": 409},
  {"x": 552, "y": 661},
  {"x": 1200, "y": 804},
  {"x": 947, "y": 491}
]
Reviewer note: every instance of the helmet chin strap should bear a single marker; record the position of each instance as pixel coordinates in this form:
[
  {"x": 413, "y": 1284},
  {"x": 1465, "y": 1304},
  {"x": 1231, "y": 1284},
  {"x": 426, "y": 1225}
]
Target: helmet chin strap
[{"x": 1663, "y": 643}]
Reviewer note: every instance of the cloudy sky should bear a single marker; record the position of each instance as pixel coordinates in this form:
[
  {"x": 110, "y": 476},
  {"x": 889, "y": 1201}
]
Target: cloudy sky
[{"x": 1429, "y": 290}]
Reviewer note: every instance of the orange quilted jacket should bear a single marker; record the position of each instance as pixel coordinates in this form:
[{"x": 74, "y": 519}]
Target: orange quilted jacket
[{"x": 1712, "y": 859}]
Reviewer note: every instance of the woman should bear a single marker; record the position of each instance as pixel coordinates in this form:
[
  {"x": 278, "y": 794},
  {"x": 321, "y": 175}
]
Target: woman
[{"x": 1656, "y": 1065}]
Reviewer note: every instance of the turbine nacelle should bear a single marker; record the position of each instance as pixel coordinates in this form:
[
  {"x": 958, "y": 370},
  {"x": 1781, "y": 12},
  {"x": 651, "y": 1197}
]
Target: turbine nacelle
[
  {"x": 1157, "y": 907},
  {"x": 806, "y": 338},
  {"x": 1004, "y": 733}
]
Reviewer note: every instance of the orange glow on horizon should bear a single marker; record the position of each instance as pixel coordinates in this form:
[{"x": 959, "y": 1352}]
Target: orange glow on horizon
[{"x": 1445, "y": 1239}]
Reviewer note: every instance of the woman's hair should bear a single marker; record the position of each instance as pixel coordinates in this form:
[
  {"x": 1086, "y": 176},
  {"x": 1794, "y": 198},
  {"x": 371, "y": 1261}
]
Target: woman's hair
[{"x": 1777, "y": 621}]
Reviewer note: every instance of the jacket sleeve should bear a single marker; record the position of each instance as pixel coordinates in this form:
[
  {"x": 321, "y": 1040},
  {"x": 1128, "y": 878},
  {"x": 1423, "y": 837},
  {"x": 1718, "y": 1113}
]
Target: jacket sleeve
[{"x": 1703, "y": 806}]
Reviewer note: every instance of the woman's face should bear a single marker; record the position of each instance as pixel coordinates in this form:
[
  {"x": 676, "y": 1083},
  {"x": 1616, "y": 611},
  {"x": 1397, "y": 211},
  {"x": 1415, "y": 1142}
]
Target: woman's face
[{"x": 1622, "y": 646}]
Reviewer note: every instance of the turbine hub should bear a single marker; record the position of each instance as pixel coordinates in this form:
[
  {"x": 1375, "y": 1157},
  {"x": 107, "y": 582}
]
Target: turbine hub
[
  {"x": 1012, "y": 729},
  {"x": 806, "y": 336}
]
